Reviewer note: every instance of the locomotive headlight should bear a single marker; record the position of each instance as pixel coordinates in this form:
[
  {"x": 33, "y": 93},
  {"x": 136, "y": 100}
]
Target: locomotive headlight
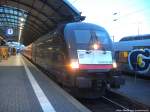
[
  {"x": 95, "y": 46},
  {"x": 114, "y": 64},
  {"x": 74, "y": 64}
]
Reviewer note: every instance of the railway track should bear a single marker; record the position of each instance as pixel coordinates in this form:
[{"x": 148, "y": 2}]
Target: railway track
[{"x": 113, "y": 102}]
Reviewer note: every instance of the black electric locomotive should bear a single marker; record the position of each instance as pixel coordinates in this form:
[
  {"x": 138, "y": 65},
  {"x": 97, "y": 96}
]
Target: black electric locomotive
[{"x": 79, "y": 55}]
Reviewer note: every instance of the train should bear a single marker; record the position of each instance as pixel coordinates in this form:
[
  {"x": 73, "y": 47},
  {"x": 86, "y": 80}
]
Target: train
[
  {"x": 123, "y": 50},
  {"x": 80, "y": 56}
]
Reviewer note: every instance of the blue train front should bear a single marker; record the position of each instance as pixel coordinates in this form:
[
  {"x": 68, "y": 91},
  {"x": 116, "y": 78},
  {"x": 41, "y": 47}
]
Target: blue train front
[
  {"x": 80, "y": 56},
  {"x": 133, "y": 55}
]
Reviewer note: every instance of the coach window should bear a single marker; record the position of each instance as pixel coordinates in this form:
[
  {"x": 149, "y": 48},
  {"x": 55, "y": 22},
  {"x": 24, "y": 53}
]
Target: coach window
[
  {"x": 125, "y": 54},
  {"x": 123, "y": 57}
]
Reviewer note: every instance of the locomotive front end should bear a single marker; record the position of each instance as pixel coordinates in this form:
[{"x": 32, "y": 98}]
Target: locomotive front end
[{"x": 91, "y": 57}]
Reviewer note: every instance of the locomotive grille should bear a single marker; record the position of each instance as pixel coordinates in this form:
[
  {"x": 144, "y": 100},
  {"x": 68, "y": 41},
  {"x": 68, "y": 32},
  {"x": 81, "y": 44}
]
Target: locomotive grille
[{"x": 97, "y": 84}]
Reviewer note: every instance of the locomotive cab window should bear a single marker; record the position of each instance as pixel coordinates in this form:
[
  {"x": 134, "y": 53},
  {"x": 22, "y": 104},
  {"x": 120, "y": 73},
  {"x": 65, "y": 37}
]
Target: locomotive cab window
[
  {"x": 102, "y": 36},
  {"x": 82, "y": 36},
  {"x": 89, "y": 37}
]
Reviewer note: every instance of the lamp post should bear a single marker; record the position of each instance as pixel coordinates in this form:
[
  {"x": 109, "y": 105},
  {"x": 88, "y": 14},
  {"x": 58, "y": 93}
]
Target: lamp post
[{"x": 138, "y": 27}]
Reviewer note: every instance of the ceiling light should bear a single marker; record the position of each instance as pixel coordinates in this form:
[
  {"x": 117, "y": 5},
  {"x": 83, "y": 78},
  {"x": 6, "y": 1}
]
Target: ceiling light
[{"x": 22, "y": 19}]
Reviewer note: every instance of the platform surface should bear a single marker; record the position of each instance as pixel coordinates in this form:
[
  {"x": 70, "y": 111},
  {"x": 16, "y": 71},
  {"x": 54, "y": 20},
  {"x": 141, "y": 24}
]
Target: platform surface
[
  {"x": 136, "y": 89},
  {"x": 23, "y": 88}
]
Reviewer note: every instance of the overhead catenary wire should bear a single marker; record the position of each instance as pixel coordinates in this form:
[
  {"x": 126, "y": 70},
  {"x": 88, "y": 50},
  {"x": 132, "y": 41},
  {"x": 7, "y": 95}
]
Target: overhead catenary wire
[
  {"x": 75, "y": 1},
  {"x": 131, "y": 13}
]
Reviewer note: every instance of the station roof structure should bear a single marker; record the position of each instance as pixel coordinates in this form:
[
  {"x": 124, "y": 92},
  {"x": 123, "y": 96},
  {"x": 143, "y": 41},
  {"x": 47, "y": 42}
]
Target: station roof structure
[{"x": 27, "y": 20}]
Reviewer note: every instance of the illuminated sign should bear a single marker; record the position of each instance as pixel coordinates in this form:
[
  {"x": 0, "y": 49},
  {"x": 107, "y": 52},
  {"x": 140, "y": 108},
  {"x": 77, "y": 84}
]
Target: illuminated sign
[
  {"x": 10, "y": 31},
  {"x": 139, "y": 60},
  {"x": 94, "y": 57}
]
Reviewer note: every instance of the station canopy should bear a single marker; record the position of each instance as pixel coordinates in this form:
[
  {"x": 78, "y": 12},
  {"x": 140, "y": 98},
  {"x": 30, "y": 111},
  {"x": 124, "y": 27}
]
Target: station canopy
[{"x": 26, "y": 20}]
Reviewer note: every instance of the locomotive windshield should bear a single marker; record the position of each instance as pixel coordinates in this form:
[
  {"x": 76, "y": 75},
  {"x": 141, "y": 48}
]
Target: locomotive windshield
[
  {"x": 89, "y": 37},
  {"x": 102, "y": 36},
  {"x": 82, "y": 36}
]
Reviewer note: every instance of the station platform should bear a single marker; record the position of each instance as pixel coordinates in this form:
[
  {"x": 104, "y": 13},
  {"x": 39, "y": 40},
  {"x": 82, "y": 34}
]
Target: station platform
[
  {"x": 136, "y": 89},
  {"x": 23, "y": 88}
]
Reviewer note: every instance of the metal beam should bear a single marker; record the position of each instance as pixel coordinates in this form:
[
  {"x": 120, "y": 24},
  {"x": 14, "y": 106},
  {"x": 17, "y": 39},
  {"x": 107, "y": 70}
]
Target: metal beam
[
  {"x": 35, "y": 17},
  {"x": 29, "y": 21},
  {"x": 56, "y": 10},
  {"x": 35, "y": 9},
  {"x": 28, "y": 25}
]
